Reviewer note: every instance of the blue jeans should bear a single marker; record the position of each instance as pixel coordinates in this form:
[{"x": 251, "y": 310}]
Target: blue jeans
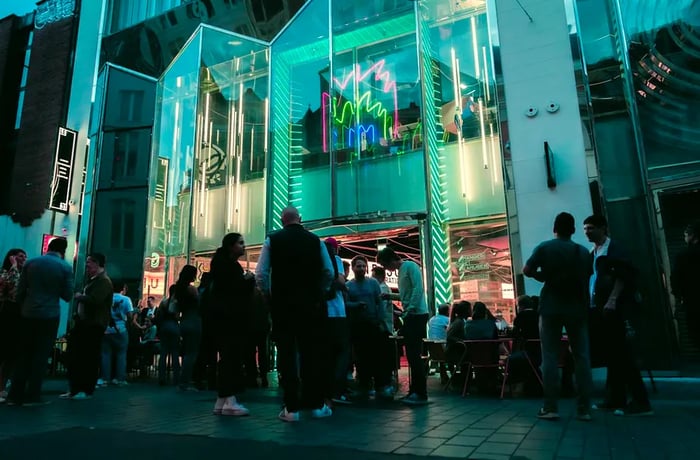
[
  {"x": 550, "y": 335},
  {"x": 191, "y": 333},
  {"x": 114, "y": 345}
]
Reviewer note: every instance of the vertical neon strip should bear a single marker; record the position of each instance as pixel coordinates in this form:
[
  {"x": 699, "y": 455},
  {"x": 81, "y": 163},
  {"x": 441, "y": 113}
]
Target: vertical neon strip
[
  {"x": 475, "y": 48},
  {"x": 280, "y": 164},
  {"x": 484, "y": 154},
  {"x": 487, "y": 84},
  {"x": 433, "y": 137}
]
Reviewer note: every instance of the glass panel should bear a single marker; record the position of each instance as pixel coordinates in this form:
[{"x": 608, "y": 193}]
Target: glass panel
[
  {"x": 232, "y": 135},
  {"x": 481, "y": 265},
  {"x": 173, "y": 162},
  {"x": 300, "y": 133},
  {"x": 375, "y": 111},
  {"x": 462, "y": 86},
  {"x": 664, "y": 53}
]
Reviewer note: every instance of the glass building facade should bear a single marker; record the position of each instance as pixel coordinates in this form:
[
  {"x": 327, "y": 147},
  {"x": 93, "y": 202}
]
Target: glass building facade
[
  {"x": 367, "y": 117},
  {"x": 385, "y": 122}
]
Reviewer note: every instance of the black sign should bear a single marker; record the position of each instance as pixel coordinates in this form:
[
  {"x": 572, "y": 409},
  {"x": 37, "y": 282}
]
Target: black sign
[
  {"x": 160, "y": 193},
  {"x": 63, "y": 170}
]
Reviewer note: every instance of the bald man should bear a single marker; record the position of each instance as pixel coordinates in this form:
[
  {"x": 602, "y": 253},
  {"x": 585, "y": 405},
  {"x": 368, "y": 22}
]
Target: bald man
[{"x": 295, "y": 271}]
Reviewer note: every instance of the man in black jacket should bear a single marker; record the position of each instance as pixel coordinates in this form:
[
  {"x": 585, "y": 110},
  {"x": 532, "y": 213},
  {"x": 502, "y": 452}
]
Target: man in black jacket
[
  {"x": 295, "y": 271},
  {"x": 614, "y": 303},
  {"x": 684, "y": 280}
]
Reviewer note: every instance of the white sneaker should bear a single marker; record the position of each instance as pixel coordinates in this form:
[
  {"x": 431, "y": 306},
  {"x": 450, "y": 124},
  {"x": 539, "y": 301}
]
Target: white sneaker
[
  {"x": 67, "y": 395},
  {"x": 287, "y": 416},
  {"x": 232, "y": 407},
  {"x": 121, "y": 383},
  {"x": 115, "y": 382},
  {"x": 323, "y": 412},
  {"x": 101, "y": 383},
  {"x": 218, "y": 406},
  {"x": 81, "y": 396}
]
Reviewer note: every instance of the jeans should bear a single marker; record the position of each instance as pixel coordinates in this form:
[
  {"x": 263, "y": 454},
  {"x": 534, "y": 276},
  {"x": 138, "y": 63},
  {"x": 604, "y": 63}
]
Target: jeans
[
  {"x": 299, "y": 354},
  {"x": 623, "y": 372},
  {"x": 550, "y": 335},
  {"x": 169, "y": 334},
  {"x": 414, "y": 332},
  {"x": 36, "y": 340},
  {"x": 191, "y": 333},
  {"x": 84, "y": 349},
  {"x": 337, "y": 356},
  {"x": 114, "y": 346},
  {"x": 371, "y": 357}
]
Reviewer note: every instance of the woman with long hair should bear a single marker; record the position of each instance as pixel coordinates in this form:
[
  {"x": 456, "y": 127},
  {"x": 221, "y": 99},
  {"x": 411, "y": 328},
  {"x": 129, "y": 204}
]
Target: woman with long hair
[
  {"x": 9, "y": 313},
  {"x": 190, "y": 323},
  {"x": 230, "y": 293}
]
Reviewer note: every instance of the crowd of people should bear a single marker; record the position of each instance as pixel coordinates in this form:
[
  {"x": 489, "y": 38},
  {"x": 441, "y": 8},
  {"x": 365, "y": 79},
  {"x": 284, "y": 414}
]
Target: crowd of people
[{"x": 324, "y": 325}]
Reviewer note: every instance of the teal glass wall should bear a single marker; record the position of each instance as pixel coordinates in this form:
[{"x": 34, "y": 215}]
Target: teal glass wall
[
  {"x": 300, "y": 164},
  {"x": 209, "y": 148}
]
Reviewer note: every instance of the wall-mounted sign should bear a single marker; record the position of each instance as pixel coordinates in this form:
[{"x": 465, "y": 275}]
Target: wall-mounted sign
[
  {"x": 160, "y": 193},
  {"x": 53, "y": 11},
  {"x": 63, "y": 170}
]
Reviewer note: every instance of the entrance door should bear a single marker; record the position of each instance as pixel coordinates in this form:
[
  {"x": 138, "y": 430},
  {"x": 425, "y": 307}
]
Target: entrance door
[{"x": 676, "y": 206}]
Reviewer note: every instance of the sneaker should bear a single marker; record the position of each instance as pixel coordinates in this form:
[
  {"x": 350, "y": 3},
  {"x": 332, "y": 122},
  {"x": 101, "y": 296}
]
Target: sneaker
[
  {"x": 547, "y": 415},
  {"x": 101, "y": 383},
  {"x": 67, "y": 395},
  {"x": 604, "y": 405},
  {"x": 218, "y": 406},
  {"x": 2, "y": 400},
  {"x": 323, "y": 412},
  {"x": 342, "y": 400},
  {"x": 634, "y": 409},
  {"x": 81, "y": 396},
  {"x": 232, "y": 407},
  {"x": 415, "y": 400},
  {"x": 121, "y": 383},
  {"x": 191, "y": 388},
  {"x": 115, "y": 382},
  {"x": 287, "y": 416},
  {"x": 3, "y": 394},
  {"x": 584, "y": 417}
]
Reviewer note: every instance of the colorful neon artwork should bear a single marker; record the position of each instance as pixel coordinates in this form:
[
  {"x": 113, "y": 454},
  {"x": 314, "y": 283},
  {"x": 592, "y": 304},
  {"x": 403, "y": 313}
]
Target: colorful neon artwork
[{"x": 345, "y": 112}]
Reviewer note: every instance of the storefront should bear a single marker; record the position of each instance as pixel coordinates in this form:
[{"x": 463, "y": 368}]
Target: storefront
[{"x": 367, "y": 118}]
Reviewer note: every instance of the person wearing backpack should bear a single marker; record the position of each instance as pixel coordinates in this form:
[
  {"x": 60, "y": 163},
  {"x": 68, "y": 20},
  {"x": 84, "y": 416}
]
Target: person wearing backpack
[{"x": 565, "y": 268}]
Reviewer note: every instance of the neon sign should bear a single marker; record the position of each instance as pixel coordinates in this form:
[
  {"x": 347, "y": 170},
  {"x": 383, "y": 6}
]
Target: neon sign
[{"x": 345, "y": 113}]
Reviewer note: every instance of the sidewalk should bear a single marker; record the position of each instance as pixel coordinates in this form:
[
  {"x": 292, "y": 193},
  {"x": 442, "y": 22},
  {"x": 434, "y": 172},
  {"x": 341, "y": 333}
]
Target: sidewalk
[{"x": 147, "y": 421}]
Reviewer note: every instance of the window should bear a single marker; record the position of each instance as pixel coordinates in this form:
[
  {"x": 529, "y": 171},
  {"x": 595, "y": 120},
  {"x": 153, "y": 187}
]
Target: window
[
  {"x": 126, "y": 149},
  {"x": 131, "y": 106},
  {"x": 122, "y": 228}
]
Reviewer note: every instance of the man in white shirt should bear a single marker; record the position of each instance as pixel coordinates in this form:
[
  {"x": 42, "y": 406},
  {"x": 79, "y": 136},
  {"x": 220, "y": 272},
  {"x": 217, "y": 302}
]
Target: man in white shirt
[{"x": 437, "y": 326}]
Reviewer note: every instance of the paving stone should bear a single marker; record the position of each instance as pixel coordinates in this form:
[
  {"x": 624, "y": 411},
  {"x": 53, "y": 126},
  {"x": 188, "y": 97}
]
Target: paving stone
[
  {"x": 466, "y": 440},
  {"x": 511, "y": 438},
  {"x": 531, "y": 454},
  {"x": 452, "y": 451},
  {"x": 496, "y": 448}
]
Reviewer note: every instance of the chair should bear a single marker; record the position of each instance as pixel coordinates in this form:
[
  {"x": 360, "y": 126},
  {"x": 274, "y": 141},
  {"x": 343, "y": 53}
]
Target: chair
[
  {"x": 483, "y": 354},
  {"x": 436, "y": 353},
  {"x": 563, "y": 355}
]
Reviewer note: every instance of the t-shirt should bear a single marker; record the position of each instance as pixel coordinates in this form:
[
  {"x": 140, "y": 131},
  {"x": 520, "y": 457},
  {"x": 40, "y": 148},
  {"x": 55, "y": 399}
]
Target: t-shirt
[
  {"x": 437, "y": 327},
  {"x": 336, "y": 306},
  {"x": 369, "y": 292},
  {"x": 411, "y": 289},
  {"x": 121, "y": 308},
  {"x": 562, "y": 261},
  {"x": 388, "y": 308}
]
